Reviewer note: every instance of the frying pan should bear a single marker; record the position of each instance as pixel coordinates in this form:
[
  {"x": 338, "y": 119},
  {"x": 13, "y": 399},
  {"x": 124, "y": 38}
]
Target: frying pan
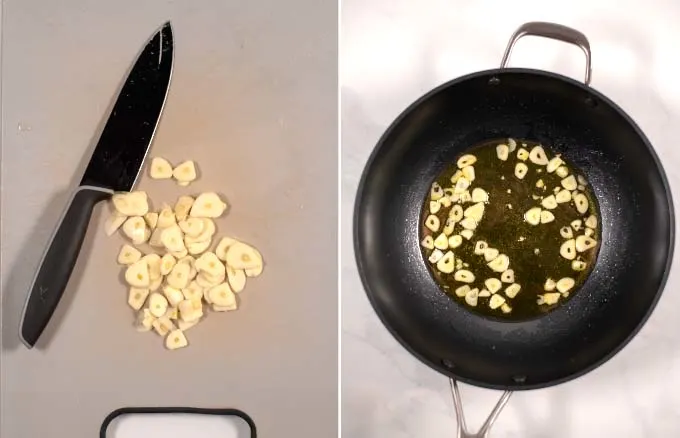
[{"x": 628, "y": 181}]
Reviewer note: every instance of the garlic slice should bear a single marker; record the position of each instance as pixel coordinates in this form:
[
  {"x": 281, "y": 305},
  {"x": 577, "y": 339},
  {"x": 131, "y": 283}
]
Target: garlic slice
[
  {"x": 174, "y": 296},
  {"x": 449, "y": 225},
  {"x": 578, "y": 265},
  {"x": 197, "y": 248},
  {"x": 136, "y": 230},
  {"x": 461, "y": 185},
  {"x": 436, "y": 191},
  {"x": 576, "y": 224},
  {"x": 490, "y": 254},
  {"x": 512, "y": 290},
  {"x": 131, "y": 203},
  {"x": 128, "y": 255},
  {"x": 183, "y": 206},
  {"x": 113, "y": 222},
  {"x": 446, "y": 263},
  {"x": 158, "y": 304},
  {"x": 468, "y": 223},
  {"x": 553, "y": 164},
  {"x": 155, "y": 284},
  {"x": 502, "y": 152},
  {"x": 168, "y": 262},
  {"x": 455, "y": 241},
  {"x": 469, "y": 173},
  {"x": 549, "y": 284},
  {"x": 160, "y": 168},
  {"x": 475, "y": 212},
  {"x": 566, "y": 232},
  {"x": 466, "y": 160},
  {"x": 471, "y": 297},
  {"x": 522, "y": 154},
  {"x": 565, "y": 284},
  {"x": 193, "y": 291},
  {"x": 137, "y": 274},
  {"x": 211, "y": 264},
  {"x": 432, "y": 223},
  {"x": 549, "y": 202},
  {"x": 435, "y": 206},
  {"x": 547, "y": 217},
  {"x": 454, "y": 180},
  {"x": 479, "y": 195},
  {"x": 480, "y": 246},
  {"x": 462, "y": 290},
  {"x": 581, "y": 202},
  {"x": 467, "y": 234},
  {"x": 441, "y": 242},
  {"x": 508, "y": 276},
  {"x": 496, "y": 301},
  {"x": 243, "y": 256},
  {"x": 208, "y": 205},
  {"x": 456, "y": 213},
  {"x": 435, "y": 256},
  {"x": 584, "y": 243},
  {"x": 591, "y": 222},
  {"x": 137, "y": 297},
  {"x": 222, "y": 296},
  {"x": 493, "y": 285},
  {"x": 172, "y": 238},
  {"x": 551, "y": 298},
  {"x": 144, "y": 321},
  {"x": 163, "y": 325},
  {"x": 236, "y": 279},
  {"x": 226, "y": 242},
  {"x": 562, "y": 171},
  {"x": 538, "y": 156},
  {"x": 505, "y": 308},
  {"x": 180, "y": 276},
  {"x": 154, "y": 263},
  {"x": 533, "y": 216},
  {"x": 185, "y": 172},
  {"x": 151, "y": 219},
  {"x": 568, "y": 249},
  {"x": 500, "y": 263},
  {"x": 521, "y": 170},
  {"x": 427, "y": 242},
  {"x": 190, "y": 310},
  {"x": 176, "y": 339},
  {"x": 569, "y": 183},
  {"x": 464, "y": 276}
]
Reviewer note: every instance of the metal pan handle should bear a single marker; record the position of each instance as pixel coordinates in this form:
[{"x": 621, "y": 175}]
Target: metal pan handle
[
  {"x": 460, "y": 416},
  {"x": 555, "y": 32}
]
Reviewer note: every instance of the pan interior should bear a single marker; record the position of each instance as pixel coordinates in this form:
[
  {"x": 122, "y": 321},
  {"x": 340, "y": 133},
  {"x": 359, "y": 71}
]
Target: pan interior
[{"x": 636, "y": 228}]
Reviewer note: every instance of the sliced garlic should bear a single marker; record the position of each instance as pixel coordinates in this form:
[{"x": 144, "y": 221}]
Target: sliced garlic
[
  {"x": 563, "y": 196},
  {"x": 191, "y": 263},
  {"x": 569, "y": 183},
  {"x": 455, "y": 177},
  {"x": 502, "y": 152},
  {"x": 206, "y": 234},
  {"x": 137, "y": 297},
  {"x": 436, "y": 191},
  {"x": 166, "y": 217},
  {"x": 151, "y": 219},
  {"x": 236, "y": 279},
  {"x": 114, "y": 222},
  {"x": 456, "y": 213},
  {"x": 173, "y": 238},
  {"x": 540, "y": 184},
  {"x": 168, "y": 262},
  {"x": 500, "y": 263},
  {"x": 441, "y": 242},
  {"x": 553, "y": 164},
  {"x": 591, "y": 222},
  {"x": 480, "y": 246},
  {"x": 455, "y": 241},
  {"x": 222, "y": 296},
  {"x": 208, "y": 205},
  {"x": 521, "y": 170},
  {"x": 193, "y": 291},
  {"x": 435, "y": 256},
  {"x": 566, "y": 232},
  {"x": 226, "y": 242},
  {"x": 155, "y": 239},
  {"x": 427, "y": 242},
  {"x": 211, "y": 264},
  {"x": 184, "y": 326},
  {"x": 179, "y": 277},
  {"x": 490, "y": 254},
  {"x": 467, "y": 234},
  {"x": 479, "y": 195},
  {"x": 549, "y": 202},
  {"x": 549, "y": 284},
  {"x": 155, "y": 284},
  {"x": 496, "y": 301},
  {"x": 493, "y": 285},
  {"x": 196, "y": 248},
  {"x": 183, "y": 206},
  {"x": 190, "y": 310},
  {"x": 158, "y": 304},
  {"x": 468, "y": 223},
  {"x": 551, "y": 298},
  {"x": 185, "y": 172},
  {"x": 565, "y": 284},
  {"x": 445, "y": 201},
  {"x": 578, "y": 265},
  {"x": 471, "y": 297},
  {"x": 465, "y": 197},
  {"x": 136, "y": 230},
  {"x": 432, "y": 223},
  {"x": 584, "y": 243},
  {"x": 160, "y": 168},
  {"x": 576, "y": 224},
  {"x": 505, "y": 308},
  {"x": 179, "y": 254},
  {"x": 533, "y": 216},
  {"x": 254, "y": 272},
  {"x": 568, "y": 249},
  {"x": 163, "y": 325},
  {"x": 435, "y": 206},
  {"x": 446, "y": 263},
  {"x": 589, "y": 232},
  {"x": 484, "y": 293},
  {"x": 475, "y": 212},
  {"x": 243, "y": 256},
  {"x": 512, "y": 144},
  {"x": 449, "y": 225},
  {"x": 538, "y": 156},
  {"x": 522, "y": 154},
  {"x": 508, "y": 276},
  {"x": 131, "y": 203},
  {"x": 562, "y": 171},
  {"x": 512, "y": 290},
  {"x": 461, "y": 185},
  {"x": 547, "y": 217},
  {"x": 463, "y": 290},
  {"x": 174, "y": 296},
  {"x": 137, "y": 274},
  {"x": 464, "y": 276},
  {"x": 154, "y": 263},
  {"x": 144, "y": 321},
  {"x": 128, "y": 255},
  {"x": 176, "y": 339},
  {"x": 466, "y": 160}
]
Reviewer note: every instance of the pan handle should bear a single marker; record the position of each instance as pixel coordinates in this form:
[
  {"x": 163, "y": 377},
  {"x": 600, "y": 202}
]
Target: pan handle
[
  {"x": 555, "y": 32},
  {"x": 460, "y": 416}
]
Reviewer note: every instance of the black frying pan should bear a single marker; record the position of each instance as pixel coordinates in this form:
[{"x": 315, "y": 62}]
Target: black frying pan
[{"x": 580, "y": 123}]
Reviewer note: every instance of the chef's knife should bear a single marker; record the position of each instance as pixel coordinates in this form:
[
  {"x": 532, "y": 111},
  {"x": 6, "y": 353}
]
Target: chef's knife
[{"x": 114, "y": 166}]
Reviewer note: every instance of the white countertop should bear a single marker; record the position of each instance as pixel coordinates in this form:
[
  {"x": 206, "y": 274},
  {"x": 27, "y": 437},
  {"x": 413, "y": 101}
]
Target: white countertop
[{"x": 392, "y": 52}]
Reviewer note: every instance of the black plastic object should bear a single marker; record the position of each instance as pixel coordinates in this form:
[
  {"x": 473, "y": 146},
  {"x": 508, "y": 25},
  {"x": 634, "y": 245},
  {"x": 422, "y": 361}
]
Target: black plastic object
[
  {"x": 637, "y": 229},
  {"x": 177, "y": 410},
  {"x": 58, "y": 262}
]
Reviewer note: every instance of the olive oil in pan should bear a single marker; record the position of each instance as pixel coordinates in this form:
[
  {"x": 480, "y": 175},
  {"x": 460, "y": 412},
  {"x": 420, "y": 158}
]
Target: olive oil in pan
[{"x": 510, "y": 229}]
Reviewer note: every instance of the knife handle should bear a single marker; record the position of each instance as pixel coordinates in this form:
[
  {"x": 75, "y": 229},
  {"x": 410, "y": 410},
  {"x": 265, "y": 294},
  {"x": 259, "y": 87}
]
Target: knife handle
[{"x": 58, "y": 261}]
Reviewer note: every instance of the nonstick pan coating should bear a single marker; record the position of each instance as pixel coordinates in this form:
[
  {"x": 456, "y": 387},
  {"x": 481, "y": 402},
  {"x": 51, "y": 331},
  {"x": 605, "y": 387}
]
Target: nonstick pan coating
[{"x": 636, "y": 216}]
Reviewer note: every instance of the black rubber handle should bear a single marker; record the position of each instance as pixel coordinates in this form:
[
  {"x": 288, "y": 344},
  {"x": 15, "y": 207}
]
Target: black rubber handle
[{"x": 58, "y": 261}]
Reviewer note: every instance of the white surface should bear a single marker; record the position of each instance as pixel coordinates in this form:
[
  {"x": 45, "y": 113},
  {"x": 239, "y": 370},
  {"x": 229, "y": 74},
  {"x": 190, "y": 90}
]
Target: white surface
[
  {"x": 178, "y": 426},
  {"x": 395, "y": 51}
]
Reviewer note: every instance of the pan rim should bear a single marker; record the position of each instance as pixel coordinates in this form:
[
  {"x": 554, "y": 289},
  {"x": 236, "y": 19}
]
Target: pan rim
[{"x": 367, "y": 170}]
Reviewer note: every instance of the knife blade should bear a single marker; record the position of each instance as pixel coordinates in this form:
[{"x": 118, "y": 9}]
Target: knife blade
[{"x": 114, "y": 167}]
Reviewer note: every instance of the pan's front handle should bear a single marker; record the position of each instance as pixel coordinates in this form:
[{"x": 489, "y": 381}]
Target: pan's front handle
[
  {"x": 460, "y": 416},
  {"x": 555, "y": 32}
]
